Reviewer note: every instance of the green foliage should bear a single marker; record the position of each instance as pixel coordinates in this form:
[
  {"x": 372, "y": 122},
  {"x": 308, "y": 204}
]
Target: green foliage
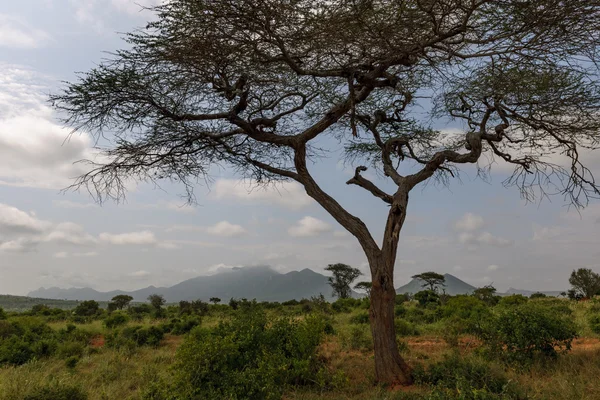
[
  {"x": 360, "y": 318},
  {"x": 594, "y": 322},
  {"x": 57, "y": 391},
  {"x": 585, "y": 282},
  {"x": 431, "y": 280},
  {"x": 137, "y": 312},
  {"x": 512, "y": 300},
  {"x": 215, "y": 300},
  {"x": 249, "y": 357},
  {"x": 343, "y": 276},
  {"x": 538, "y": 295},
  {"x": 157, "y": 301},
  {"x": 70, "y": 349},
  {"x": 133, "y": 336},
  {"x": 121, "y": 301},
  {"x": 115, "y": 320},
  {"x": 185, "y": 325},
  {"x": 71, "y": 362},
  {"x": 357, "y": 338},
  {"x": 427, "y": 298},
  {"x": 87, "y": 308},
  {"x": 2, "y": 314},
  {"x": 466, "y": 378},
  {"x": 345, "y": 305},
  {"x": 520, "y": 332},
  {"x": 405, "y": 328},
  {"x": 487, "y": 294},
  {"x": 465, "y": 314}
]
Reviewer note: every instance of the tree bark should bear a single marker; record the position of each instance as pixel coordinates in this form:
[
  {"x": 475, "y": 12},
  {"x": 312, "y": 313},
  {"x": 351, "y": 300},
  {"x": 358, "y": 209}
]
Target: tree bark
[{"x": 390, "y": 368}]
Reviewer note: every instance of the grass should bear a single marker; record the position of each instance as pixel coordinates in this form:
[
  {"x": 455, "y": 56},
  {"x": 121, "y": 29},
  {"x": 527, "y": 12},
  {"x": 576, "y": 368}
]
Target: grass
[{"x": 106, "y": 373}]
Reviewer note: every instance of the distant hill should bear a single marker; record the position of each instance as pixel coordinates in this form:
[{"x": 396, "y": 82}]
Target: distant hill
[
  {"x": 260, "y": 283},
  {"x": 453, "y": 286},
  {"x": 23, "y": 303}
]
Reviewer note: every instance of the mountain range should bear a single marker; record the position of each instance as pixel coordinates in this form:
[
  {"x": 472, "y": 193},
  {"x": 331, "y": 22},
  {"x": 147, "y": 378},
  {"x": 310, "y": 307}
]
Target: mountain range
[{"x": 260, "y": 283}]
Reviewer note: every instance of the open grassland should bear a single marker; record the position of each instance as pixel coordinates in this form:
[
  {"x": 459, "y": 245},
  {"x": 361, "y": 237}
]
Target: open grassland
[{"x": 98, "y": 362}]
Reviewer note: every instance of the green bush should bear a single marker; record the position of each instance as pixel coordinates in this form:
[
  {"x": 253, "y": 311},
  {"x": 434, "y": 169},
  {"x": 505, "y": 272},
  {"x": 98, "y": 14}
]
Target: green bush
[
  {"x": 2, "y": 314},
  {"x": 405, "y": 328},
  {"x": 116, "y": 319},
  {"x": 249, "y": 357},
  {"x": 427, "y": 298},
  {"x": 87, "y": 308},
  {"x": 459, "y": 377},
  {"x": 133, "y": 336},
  {"x": 71, "y": 362},
  {"x": 512, "y": 300},
  {"x": 464, "y": 314},
  {"x": 184, "y": 326},
  {"x": 70, "y": 349},
  {"x": 57, "y": 392},
  {"x": 595, "y": 323},
  {"x": 358, "y": 338},
  {"x": 360, "y": 318},
  {"x": 520, "y": 332}
]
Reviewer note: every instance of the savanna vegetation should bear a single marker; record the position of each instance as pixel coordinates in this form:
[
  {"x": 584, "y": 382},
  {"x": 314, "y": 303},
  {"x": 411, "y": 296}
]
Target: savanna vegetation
[{"x": 479, "y": 346}]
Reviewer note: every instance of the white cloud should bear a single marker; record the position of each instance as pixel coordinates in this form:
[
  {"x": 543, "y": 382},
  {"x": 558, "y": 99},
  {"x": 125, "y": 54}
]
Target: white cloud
[
  {"x": 86, "y": 254},
  {"x": 70, "y": 233},
  {"x": 169, "y": 246},
  {"x": 142, "y": 237},
  {"x": 139, "y": 274},
  {"x": 16, "y": 33},
  {"x": 16, "y": 221},
  {"x": 289, "y": 195},
  {"x": 35, "y": 151},
  {"x": 493, "y": 267},
  {"x": 309, "y": 226},
  {"x": 469, "y": 223},
  {"x": 61, "y": 254},
  {"x": 541, "y": 233},
  {"x": 24, "y": 232},
  {"x": 226, "y": 229},
  {"x": 484, "y": 238},
  {"x": 72, "y": 204},
  {"x": 185, "y": 228}
]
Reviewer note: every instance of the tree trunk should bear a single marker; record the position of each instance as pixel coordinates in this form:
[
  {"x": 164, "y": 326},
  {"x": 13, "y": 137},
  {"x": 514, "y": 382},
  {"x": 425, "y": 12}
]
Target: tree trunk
[{"x": 390, "y": 368}]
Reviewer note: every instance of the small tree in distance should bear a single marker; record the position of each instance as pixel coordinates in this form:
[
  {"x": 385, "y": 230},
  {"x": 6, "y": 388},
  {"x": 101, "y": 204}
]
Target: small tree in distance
[
  {"x": 215, "y": 300},
  {"x": 121, "y": 301},
  {"x": 586, "y": 282},
  {"x": 157, "y": 301},
  {"x": 364, "y": 287},
  {"x": 431, "y": 280},
  {"x": 343, "y": 276}
]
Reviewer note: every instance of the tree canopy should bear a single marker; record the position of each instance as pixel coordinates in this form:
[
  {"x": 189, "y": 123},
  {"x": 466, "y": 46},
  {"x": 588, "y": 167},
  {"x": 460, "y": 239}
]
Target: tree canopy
[
  {"x": 342, "y": 278},
  {"x": 431, "y": 280},
  {"x": 586, "y": 282},
  {"x": 121, "y": 301}
]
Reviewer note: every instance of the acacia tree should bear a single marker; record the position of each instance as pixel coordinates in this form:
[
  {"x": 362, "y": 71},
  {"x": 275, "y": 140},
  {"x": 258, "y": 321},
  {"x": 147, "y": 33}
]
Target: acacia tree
[
  {"x": 364, "y": 287},
  {"x": 264, "y": 86},
  {"x": 431, "y": 280},
  {"x": 121, "y": 301},
  {"x": 342, "y": 278},
  {"x": 586, "y": 282}
]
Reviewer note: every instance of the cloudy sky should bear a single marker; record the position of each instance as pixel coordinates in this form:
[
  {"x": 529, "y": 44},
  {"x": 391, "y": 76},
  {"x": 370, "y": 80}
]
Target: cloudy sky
[{"x": 478, "y": 231}]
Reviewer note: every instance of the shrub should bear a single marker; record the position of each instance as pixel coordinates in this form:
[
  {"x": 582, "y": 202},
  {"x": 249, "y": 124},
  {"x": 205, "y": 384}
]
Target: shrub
[
  {"x": 2, "y": 314},
  {"x": 115, "y": 320},
  {"x": 427, "y": 297},
  {"x": 250, "y": 357},
  {"x": 70, "y": 349},
  {"x": 358, "y": 338},
  {"x": 184, "y": 326},
  {"x": 457, "y": 377},
  {"x": 87, "y": 308},
  {"x": 595, "y": 323},
  {"x": 71, "y": 362},
  {"x": 133, "y": 336},
  {"x": 520, "y": 332},
  {"x": 465, "y": 314},
  {"x": 405, "y": 328},
  {"x": 512, "y": 300},
  {"x": 57, "y": 392},
  {"x": 399, "y": 311},
  {"x": 360, "y": 318}
]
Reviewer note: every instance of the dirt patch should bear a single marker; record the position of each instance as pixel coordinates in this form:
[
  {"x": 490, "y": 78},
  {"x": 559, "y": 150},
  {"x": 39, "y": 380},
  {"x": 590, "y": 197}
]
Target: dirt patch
[
  {"x": 586, "y": 344},
  {"x": 97, "y": 341}
]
